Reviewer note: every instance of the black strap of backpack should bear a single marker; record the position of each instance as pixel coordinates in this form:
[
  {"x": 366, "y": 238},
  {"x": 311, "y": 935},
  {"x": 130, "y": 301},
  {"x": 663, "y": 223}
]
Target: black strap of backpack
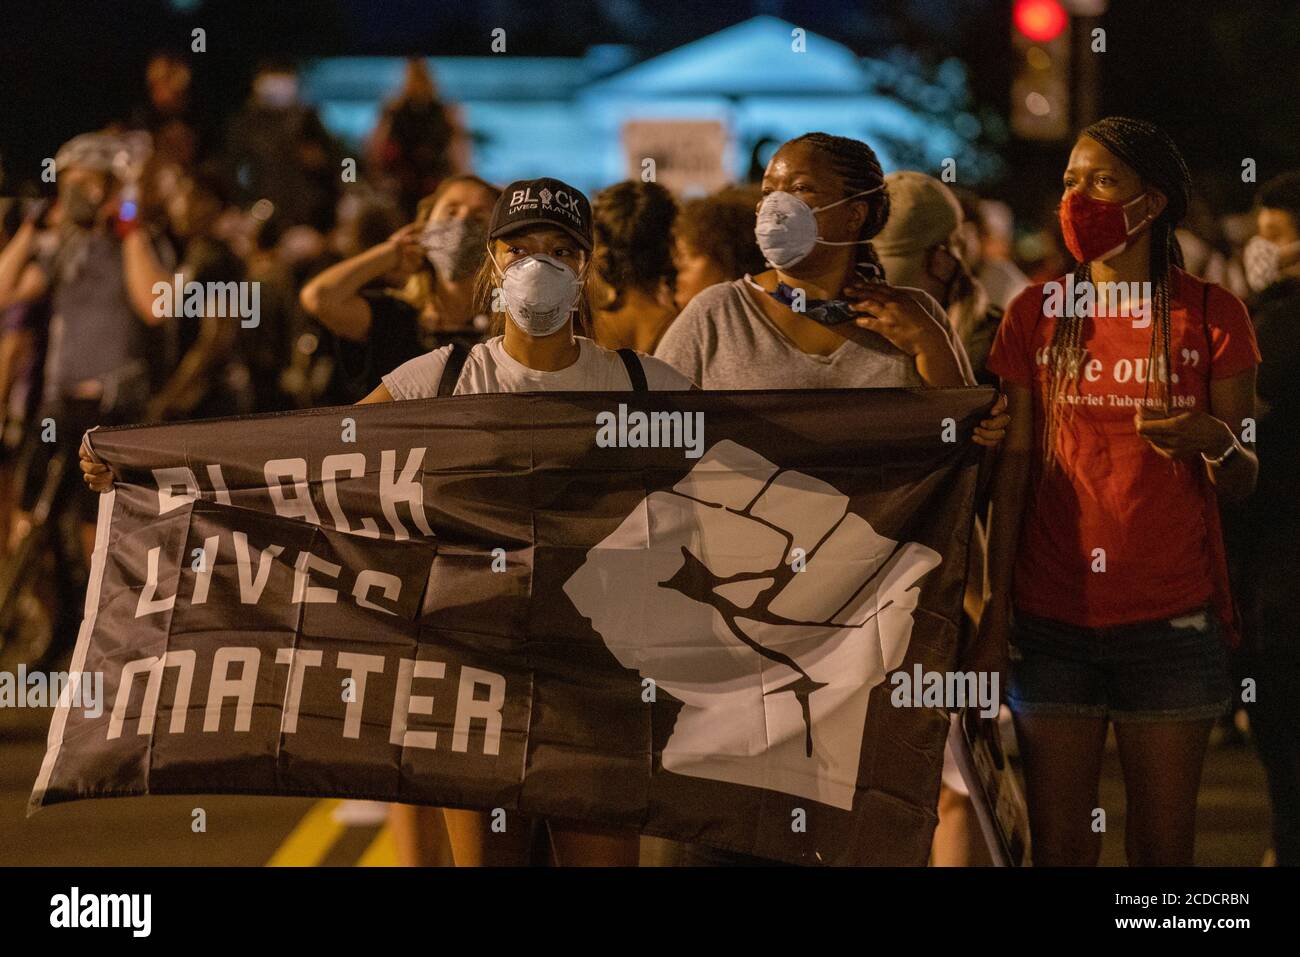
[
  {"x": 635, "y": 371},
  {"x": 451, "y": 371}
]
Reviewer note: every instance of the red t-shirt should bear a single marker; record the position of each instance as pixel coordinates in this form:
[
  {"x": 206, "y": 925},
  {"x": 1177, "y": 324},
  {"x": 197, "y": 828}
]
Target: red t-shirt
[{"x": 1156, "y": 519}]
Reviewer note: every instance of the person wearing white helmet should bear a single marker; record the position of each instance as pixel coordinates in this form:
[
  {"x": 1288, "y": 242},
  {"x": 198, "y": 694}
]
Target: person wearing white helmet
[{"x": 101, "y": 301}]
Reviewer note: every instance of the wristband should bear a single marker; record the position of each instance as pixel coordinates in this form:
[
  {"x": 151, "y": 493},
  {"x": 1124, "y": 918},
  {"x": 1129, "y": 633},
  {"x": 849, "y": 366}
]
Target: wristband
[
  {"x": 1220, "y": 460},
  {"x": 125, "y": 227}
]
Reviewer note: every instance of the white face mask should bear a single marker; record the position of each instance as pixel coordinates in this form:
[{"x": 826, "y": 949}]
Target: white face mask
[
  {"x": 787, "y": 227},
  {"x": 1262, "y": 260},
  {"x": 540, "y": 293}
]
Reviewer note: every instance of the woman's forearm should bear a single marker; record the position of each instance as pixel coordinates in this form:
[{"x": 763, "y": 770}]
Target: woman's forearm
[
  {"x": 333, "y": 296},
  {"x": 142, "y": 272},
  {"x": 937, "y": 364},
  {"x": 13, "y": 258},
  {"x": 1235, "y": 479}
]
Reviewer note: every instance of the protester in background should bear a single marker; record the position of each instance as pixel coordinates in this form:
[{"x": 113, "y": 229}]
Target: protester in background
[
  {"x": 714, "y": 241},
  {"x": 1272, "y": 521},
  {"x": 1237, "y": 229},
  {"x": 414, "y": 145},
  {"x": 824, "y": 199},
  {"x": 539, "y": 255},
  {"x": 1042, "y": 251},
  {"x": 988, "y": 243},
  {"x": 1120, "y": 446},
  {"x": 21, "y": 330},
  {"x": 24, "y": 335},
  {"x": 314, "y": 375},
  {"x": 1201, "y": 242},
  {"x": 630, "y": 290},
  {"x": 435, "y": 258},
  {"x": 367, "y": 218},
  {"x": 168, "y": 114},
  {"x": 100, "y": 308},
  {"x": 205, "y": 377},
  {"x": 270, "y": 353},
  {"x": 921, "y": 246},
  {"x": 278, "y": 150},
  {"x": 101, "y": 303}
]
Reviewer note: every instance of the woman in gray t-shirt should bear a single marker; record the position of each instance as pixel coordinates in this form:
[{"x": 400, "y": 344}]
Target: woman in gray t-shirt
[{"x": 823, "y": 317}]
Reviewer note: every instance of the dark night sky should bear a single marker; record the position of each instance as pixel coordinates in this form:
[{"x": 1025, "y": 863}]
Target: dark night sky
[{"x": 1220, "y": 76}]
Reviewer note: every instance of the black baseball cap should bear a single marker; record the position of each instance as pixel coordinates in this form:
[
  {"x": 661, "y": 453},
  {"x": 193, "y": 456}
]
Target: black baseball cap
[{"x": 546, "y": 202}]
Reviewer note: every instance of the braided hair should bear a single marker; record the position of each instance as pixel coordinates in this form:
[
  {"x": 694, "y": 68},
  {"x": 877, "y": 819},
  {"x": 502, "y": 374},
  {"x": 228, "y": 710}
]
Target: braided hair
[
  {"x": 1150, "y": 152},
  {"x": 857, "y": 164},
  {"x": 633, "y": 226}
]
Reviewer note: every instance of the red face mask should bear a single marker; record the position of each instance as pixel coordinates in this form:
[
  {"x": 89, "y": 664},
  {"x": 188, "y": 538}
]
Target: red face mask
[{"x": 1095, "y": 228}]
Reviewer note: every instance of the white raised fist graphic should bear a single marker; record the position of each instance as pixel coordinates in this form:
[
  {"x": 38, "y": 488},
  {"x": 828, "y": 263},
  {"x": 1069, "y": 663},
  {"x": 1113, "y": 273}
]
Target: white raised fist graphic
[{"x": 698, "y": 590}]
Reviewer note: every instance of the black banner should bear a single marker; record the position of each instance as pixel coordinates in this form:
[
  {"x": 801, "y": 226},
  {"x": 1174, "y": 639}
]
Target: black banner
[{"x": 673, "y": 612}]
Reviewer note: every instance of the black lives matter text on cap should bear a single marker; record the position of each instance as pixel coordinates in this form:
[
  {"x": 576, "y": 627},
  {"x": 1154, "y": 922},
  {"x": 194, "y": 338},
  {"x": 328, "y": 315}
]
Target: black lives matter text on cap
[{"x": 545, "y": 201}]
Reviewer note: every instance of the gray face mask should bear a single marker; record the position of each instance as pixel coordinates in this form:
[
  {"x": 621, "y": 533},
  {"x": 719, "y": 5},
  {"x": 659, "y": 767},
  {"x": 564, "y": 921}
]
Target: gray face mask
[
  {"x": 454, "y": 247},
  {"x": 1262, "y": 260}
]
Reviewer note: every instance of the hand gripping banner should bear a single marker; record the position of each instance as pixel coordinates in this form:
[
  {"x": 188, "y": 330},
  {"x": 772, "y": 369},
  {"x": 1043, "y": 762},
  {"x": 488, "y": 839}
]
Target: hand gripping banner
[{"x": 674, "y": 612}]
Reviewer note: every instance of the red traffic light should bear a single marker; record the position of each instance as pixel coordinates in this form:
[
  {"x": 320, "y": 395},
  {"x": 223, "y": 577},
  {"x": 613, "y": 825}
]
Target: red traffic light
[{"x": 1039, "y": 20}]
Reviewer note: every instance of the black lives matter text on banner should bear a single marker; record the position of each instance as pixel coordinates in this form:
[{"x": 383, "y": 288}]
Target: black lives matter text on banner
[{"x": 476, "y": 604}]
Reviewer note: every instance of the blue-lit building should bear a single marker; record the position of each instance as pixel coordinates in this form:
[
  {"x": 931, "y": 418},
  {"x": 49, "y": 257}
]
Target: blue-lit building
[{"x": 564, "y": 115}]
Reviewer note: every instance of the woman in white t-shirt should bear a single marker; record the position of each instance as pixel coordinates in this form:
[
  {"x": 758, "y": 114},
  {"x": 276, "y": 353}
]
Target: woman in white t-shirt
[
  {"x": 539, "y": 245},
  {"x": 539, "y": 253},
  {"x": 539, "y": 249}
]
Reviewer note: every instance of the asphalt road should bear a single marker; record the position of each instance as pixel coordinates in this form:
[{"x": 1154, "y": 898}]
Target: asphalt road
[{"x": 256, "y": 831}]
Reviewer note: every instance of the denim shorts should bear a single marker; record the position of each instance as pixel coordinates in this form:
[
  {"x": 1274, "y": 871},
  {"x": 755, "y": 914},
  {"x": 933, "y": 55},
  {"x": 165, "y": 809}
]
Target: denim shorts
[{"x": 1167, "y": 670}]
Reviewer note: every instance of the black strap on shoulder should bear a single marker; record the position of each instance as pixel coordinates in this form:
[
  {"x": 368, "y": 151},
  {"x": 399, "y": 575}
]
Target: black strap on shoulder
[
  {"x": 451, "y": 371},
  {"x": 635, "y": 371}
]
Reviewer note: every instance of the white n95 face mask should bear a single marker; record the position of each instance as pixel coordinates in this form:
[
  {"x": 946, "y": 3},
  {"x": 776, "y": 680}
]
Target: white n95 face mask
[
  {"x": 540, "y": 292},
  {"x": 786, "y": 230}
]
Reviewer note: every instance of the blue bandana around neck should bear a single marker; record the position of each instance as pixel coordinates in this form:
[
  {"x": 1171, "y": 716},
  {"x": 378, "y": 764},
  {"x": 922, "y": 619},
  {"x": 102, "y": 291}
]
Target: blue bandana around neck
[{"x": 827, "y": 312}]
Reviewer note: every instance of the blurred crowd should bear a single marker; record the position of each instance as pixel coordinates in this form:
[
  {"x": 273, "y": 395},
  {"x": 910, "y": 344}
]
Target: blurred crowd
[{"x": 269, "y": 200}]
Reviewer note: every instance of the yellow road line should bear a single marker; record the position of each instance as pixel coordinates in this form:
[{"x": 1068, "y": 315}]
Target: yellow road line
[
  {"x": 382, "y": 851},
  {"x": 309, "y": 842}
]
